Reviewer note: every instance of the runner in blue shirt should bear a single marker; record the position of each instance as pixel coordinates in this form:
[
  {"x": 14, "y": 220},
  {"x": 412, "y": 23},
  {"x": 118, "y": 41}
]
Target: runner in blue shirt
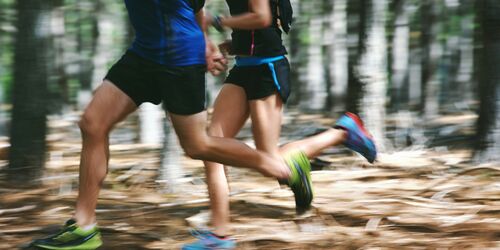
[{"x": 166, "y": 63}]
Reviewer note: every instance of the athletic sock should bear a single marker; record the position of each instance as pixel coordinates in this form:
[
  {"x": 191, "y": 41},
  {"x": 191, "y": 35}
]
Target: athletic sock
[{"x": 88, "y": 227}]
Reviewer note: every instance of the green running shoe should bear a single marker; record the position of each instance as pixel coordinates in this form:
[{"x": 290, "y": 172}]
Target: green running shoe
[
  {"x": 300, "y": 180},
  {"x": 71, "y": 237}
]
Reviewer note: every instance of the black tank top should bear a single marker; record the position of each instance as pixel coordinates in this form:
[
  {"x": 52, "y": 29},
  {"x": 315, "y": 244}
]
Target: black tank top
[{"x": 261, "y": 42}]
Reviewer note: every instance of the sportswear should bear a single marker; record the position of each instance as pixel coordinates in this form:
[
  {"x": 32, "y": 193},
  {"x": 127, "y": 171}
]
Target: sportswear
[
  {"x": 166, "y": 32},
  {"x": 358, "y": 138},
  {"x": 71, "y": 237},
  {"x": 264, "y": 42}
]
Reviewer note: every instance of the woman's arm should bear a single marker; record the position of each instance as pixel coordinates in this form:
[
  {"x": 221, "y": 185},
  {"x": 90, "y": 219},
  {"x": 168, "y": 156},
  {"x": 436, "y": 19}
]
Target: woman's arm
[{"x": 258, "y": 17}]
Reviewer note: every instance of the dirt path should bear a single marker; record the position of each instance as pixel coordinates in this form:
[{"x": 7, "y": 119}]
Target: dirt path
[{"x": 414, "y": 199}]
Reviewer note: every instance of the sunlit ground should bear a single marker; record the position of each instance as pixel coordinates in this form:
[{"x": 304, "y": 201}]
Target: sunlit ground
[{"x": 414, "y": 198}]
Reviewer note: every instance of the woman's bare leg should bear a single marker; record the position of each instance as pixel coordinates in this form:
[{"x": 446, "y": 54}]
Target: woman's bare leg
[
  {"x": 312, "y": 146},
  {"x": 230, "y": 114}
]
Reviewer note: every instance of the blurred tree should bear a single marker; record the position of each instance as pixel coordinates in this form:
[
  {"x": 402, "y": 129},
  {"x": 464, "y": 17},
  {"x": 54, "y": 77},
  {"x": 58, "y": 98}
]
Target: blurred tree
[
  {"x": 373, "y": 73},
  {"x": 87, "y": 34},
  {"x": 432, "y": 49},
  {"x": 358, "y": 11},
  {"x": 6, "y": 34},
  {"x": 488, "y": 124},
  {"x": 399, "y": 55},
  {"x": 464, "y": 79},
  {"x": 31, "y": 65},
  {"x": 335, "y": 54},
  {"x": 313, "y": 89},
  {"x": 104, "y": 42},
  {"x": 297, "y": 51},
  {"x": 58, "y": 88},
  {"x": 327, "y": 52}
]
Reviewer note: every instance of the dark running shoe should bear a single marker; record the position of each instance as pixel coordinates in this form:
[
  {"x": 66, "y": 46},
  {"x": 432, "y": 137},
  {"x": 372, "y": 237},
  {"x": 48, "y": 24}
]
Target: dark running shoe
[
  {"x": 300, "y": 180},
  {"x": 358, "y": 139},
  {"x": 71, "y": 237}
]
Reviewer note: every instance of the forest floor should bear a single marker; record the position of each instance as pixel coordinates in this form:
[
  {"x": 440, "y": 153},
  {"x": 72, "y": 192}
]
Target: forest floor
[{"x": 413, "y": 198}]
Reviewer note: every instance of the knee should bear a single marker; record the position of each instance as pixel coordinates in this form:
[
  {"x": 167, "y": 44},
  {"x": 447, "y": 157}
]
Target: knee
[
  {"x": 198, "y": 151},
  {"x": 90, "y": 127},
  {"x": 215, "y": 130}
]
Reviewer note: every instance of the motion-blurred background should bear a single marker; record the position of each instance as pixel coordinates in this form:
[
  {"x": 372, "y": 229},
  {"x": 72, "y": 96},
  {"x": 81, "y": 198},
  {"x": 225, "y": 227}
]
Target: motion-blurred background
[{"x": 423, "y": 74}]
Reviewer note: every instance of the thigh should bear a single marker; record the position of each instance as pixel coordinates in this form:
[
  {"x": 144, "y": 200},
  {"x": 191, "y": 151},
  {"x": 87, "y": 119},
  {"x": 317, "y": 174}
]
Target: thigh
[
  {"x": 264, "y": 80},
  {"x": 108, "y": 106},
  {"x": 133, "y": 76},
  {"x": 266, "y": 114},
  {"x": 253, "y": 80},
  {"x": 191, "y": 129},
  {"x": 230, "y": 111},
  {"x": 183, "y": 89}
]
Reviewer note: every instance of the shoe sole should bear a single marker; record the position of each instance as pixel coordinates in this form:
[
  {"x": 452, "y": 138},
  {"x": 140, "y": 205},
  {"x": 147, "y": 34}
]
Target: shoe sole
[
  {"x": 86, "y": 246},
  {"x": 301, "y": 206}
]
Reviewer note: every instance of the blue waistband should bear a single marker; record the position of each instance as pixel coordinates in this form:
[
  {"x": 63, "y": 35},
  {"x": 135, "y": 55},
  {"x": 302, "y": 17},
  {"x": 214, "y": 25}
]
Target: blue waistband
[{"x": 254, "y": 61}]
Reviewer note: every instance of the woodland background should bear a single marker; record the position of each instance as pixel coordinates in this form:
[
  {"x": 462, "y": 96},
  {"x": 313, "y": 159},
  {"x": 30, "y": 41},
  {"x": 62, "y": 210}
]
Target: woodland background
[{"x": 423, "y": 75}]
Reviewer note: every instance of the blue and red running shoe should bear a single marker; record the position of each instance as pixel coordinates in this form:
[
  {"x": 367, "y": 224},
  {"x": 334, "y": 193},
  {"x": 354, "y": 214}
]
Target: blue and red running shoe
[
  {"x": 358, "y": 139},
  {"x": 208, "y": 241}
]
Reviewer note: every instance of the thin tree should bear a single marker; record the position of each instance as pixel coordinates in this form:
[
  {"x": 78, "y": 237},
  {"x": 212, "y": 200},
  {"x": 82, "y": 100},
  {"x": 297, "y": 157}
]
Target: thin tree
[
  {"x": 297, "y": 52},
  {"x": 335, "y": 55},
  {"x": 29, "y": 97},
  {"x": 399, "y": 55},
  {"x": 86, "y": 47},
  {"x": 360, "y": 9},
  {"x": 488, "y": 124},
  {"x": 432, "y": 48},
  {"x": 373, "y": 73}
]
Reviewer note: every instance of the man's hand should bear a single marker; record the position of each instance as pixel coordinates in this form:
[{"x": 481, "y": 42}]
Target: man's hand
[
  {"x": 216, "y": 62},
  {"x": 220, "y": 64}
]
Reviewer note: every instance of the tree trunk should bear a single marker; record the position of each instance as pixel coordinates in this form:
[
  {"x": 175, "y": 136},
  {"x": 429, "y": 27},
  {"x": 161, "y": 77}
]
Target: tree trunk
[
  {"x": 373, "y": 74},
  {"x": 297, "y": 53},
  {"x": 400, "y": 57},
  {"x": 58, "y": 79},
  {"x": 86, "y": 50},
  {"x": 354, "y": 85},
  {"x": 2, "y": 68},
  {"x": 313, "y": 88},
  {"x": 171, "y": 171},
  {"x": 464, "y": 78},
  {"x": 151, "y": 120},
  {"x": 104, "y": 45},
  {"x": 449, "y": 90},
  {"x": 336, "y": 65},
  {"x": 431, "y": 52},
  {"x": 31, "y": 64},
  {"x": 488, "y": 125}
]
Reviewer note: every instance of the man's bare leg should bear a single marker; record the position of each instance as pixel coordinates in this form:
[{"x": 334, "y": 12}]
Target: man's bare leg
[
  {"x": 108, "y": 106},
  {"x": 194, "y": 139}
]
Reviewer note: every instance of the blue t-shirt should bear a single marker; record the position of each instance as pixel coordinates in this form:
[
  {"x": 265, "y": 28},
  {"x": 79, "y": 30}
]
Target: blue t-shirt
[{"x": 166, "y": 32}]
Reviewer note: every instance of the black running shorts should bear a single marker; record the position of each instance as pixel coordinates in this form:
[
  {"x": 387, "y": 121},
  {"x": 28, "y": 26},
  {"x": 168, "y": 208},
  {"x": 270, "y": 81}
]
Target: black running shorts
[
  {"x": 258, "y": 81},
  {"x": 180, "y": 88}
]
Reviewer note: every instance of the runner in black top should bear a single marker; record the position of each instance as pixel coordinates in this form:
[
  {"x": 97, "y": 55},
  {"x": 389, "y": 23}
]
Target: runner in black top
[{"x": 257, "y": 87}]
